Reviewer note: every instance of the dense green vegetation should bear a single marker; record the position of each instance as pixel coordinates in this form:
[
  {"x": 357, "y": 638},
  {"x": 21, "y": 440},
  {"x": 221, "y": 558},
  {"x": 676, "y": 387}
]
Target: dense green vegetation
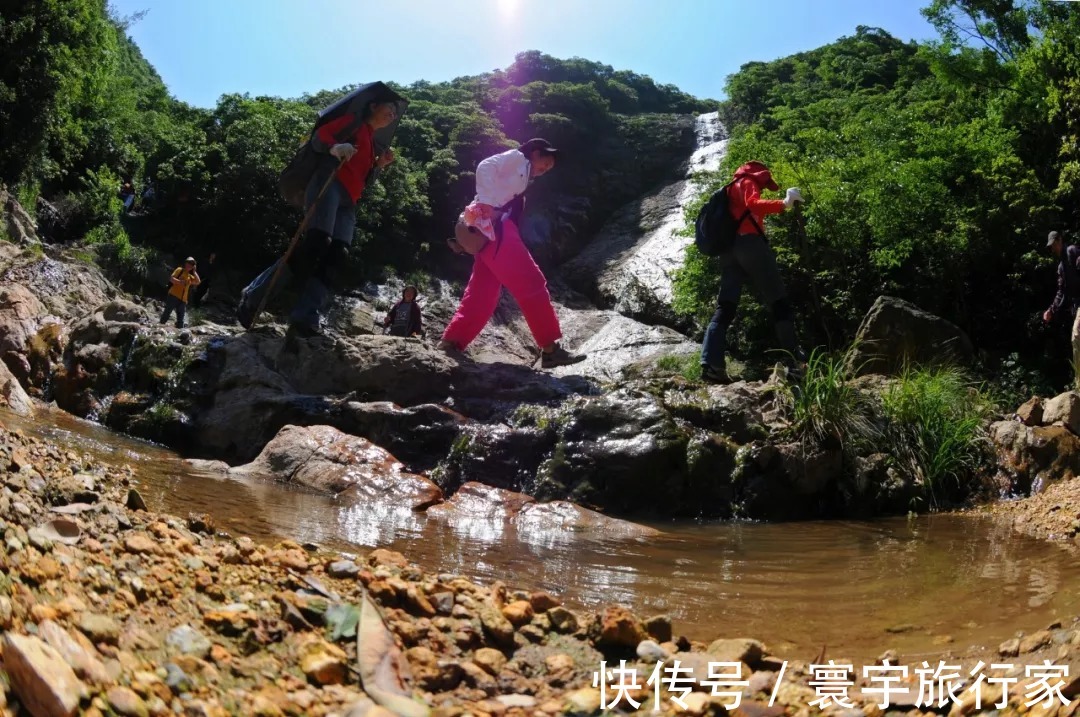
[
  {"x": 88, "y": 112},
  {"x": 932, "y": 172},
  {"x": 929, "y": 425}
]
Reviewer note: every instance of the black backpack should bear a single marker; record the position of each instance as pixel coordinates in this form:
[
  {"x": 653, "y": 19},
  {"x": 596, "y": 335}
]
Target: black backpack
[
  {"x": 293, "y": 181},
  {"x": 715, "y": 227}
]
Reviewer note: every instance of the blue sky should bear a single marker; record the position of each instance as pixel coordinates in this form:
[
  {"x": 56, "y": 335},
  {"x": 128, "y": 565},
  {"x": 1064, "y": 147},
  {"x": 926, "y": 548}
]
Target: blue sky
[{"x": 205, "y": 48}]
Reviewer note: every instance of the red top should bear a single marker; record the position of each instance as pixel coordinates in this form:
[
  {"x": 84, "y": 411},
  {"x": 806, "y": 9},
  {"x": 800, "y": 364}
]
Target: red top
[
  {"x": 745, "y": 193},
  {"x": 353, "y": 174}
]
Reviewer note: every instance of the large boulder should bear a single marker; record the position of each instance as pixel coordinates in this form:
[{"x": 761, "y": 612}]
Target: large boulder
[
  {"x": 329, "y": 461},
  {"x": 68, "y": 289},
  {"x": 613, "y": 342},
  {"x": 12, "y": 395},
  {"x": 20, "y": 317},
  {"x": 895, "y": 333},
  {"x": 16, "y": 221},
  {"x": 743, "y": 411},
  {"x": 623, "y": 451},
  {"x": 1033, "y": 457},
  {"x": 1063, "y": 410},
  {"x": 478, "y": 501},
  {"x": 358, "y": 384}
]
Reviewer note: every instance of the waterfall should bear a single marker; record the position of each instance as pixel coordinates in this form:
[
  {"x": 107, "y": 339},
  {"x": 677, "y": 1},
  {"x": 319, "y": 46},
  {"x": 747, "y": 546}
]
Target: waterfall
[{"x": 660, "y": 252}]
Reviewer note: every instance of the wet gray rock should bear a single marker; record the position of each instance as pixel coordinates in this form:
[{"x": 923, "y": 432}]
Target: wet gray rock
[
  {"x": 476, "y": 500},
  {"x": 624, "y": 452},
  {"x": 613, "y": 342}
]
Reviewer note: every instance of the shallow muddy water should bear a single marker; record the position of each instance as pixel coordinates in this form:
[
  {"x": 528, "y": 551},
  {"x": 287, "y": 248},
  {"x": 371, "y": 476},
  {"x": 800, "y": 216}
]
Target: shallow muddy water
[{"x": 925, "y": 585}]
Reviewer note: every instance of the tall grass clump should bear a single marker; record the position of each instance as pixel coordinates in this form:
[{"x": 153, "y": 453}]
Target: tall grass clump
[
  {"x": 826, "y": 408},
  {"x": 937, "y": 419}
]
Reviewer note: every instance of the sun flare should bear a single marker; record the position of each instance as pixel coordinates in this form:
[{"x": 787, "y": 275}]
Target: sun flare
[{"x": 508, "y": 8}]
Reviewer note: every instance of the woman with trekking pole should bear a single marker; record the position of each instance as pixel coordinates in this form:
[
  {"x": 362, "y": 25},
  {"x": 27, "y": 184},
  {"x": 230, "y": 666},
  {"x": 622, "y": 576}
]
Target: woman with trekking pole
[{"x": 321, "y": 244}]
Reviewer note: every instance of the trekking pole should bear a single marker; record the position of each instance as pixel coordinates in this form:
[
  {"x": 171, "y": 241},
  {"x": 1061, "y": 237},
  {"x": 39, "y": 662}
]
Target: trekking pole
[
  {"x": 813, "y": 281},
  {"x": 295, "y": 240}
]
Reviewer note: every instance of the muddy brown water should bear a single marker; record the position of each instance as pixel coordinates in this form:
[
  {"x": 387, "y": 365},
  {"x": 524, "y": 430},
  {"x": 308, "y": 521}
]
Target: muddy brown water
[{"x": 920, "y": 586}]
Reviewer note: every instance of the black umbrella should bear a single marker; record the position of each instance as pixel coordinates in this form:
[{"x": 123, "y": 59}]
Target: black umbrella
[{"x": 356, "y": 101}]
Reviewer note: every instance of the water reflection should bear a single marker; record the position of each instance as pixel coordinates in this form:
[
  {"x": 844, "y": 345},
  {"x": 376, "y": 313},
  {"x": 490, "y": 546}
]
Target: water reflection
[{"x": 865, "y": 586}]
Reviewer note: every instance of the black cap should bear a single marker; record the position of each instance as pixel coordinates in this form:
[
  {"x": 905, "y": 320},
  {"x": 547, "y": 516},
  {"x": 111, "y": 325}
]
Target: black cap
[
  {"x": 537, "y": 144},
  {"x": 1052, "y": 237}
]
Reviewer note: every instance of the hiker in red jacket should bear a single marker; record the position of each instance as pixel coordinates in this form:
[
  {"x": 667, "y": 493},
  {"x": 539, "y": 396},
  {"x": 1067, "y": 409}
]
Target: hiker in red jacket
[
  {"x": 326, "y": 242},
  {"x": 750, "y": 258}
]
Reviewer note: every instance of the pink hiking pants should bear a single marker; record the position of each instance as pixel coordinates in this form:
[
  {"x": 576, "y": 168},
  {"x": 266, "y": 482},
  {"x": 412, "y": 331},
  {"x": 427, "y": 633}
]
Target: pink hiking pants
[{"x": 511, "y": 266}]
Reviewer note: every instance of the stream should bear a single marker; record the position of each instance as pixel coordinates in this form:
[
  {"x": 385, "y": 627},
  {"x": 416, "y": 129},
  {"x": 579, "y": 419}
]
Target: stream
[{"x": 921, "y": 586}]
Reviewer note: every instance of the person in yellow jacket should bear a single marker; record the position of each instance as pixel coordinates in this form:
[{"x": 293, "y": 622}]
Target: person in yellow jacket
[{"x": 180, "y": 283}]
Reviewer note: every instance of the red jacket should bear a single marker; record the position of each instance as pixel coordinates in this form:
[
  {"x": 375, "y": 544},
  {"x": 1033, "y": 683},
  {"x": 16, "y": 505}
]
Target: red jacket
[
  {"x": 745, "y": 193},
  {"x": 353, "y": 174}
]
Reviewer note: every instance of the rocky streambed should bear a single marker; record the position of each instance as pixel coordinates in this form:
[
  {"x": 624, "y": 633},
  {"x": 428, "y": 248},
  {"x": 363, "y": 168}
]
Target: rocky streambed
[{"x": 109, "y": 608}]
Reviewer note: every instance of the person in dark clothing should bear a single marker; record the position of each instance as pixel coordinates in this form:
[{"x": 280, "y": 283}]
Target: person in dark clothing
[
  {"x": 206, "y": 273},
  {"x": 404, "y": 318},
  {"x": 1067, "y": 299},
  {"x": 750, "y": 259},
  {"x": 317, "y": 260}
]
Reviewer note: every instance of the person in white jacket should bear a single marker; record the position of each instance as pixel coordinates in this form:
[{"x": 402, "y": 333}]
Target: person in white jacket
[{"x": 501, "y": 182}]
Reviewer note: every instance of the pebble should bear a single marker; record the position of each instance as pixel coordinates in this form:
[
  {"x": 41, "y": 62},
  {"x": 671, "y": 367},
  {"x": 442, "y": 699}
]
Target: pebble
[
  {"x": 177, "y": 680},
  {"x": 100, "y": 628},
  {"x": 188, "y": 641},
  {"x": 140, "y": 544},
  {"x": 125, "y": 702},
  {"x": 491, "y": 661},
  {"x": 343, "y": 569},
  {"x": 650, "y": 651},
  {"x": 323, "y": 663}
]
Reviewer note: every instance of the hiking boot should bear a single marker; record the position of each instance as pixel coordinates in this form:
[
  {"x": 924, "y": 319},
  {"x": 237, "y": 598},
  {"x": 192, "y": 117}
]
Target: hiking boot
[
  {"x": 245, "y": 315},
  {"x": 449, "y": 347},
  {"x": 715, "y": 375},
  {"x": 559, "y": 357}
]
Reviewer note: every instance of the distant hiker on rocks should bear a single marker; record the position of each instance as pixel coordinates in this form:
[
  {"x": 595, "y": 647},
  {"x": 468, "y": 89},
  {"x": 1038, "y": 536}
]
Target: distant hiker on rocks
[
  {"x": 1067, "y": 299},
  {"x": 318, "y": 259},
  {"x": 504, "y": 260},
  {"x": 404, "y": 318},
  {"x": 127, "y": 196},
  {"x": 750, "y": 258},
  {"x": 208, "y": 271},
  {"x": 180, "y": 283}
]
